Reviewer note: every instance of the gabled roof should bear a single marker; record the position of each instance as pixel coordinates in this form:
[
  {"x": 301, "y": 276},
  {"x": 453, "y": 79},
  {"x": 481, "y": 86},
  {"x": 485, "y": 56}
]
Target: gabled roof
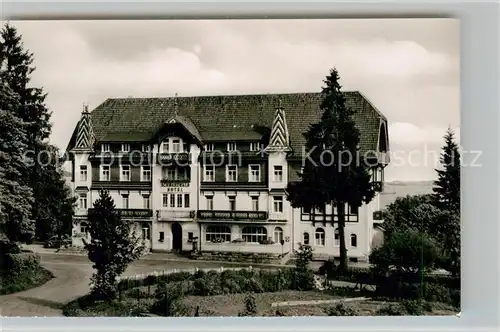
[
  {"x": 186, "y": 123},
  {"x": 230, "y": 117}
]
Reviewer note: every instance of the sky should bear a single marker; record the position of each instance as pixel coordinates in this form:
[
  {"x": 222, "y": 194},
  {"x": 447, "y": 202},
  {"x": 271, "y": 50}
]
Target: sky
[{"x": 407, "y": 68}]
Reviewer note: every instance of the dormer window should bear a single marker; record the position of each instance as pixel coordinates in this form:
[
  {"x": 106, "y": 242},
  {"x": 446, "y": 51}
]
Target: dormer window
[
  {"x": 105, "y": 147},
  {"x": 165, "y": 148},
  {"x": 254, "y": 146},
  {"x": 209, "y": 147},
  {"x": 176, "y": 145},
  {"x": 231, "y": 146},
  {"x": 125, "y": 147}
]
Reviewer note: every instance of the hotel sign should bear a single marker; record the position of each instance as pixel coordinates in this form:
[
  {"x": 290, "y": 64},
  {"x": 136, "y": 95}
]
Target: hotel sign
[
  {"x": 232, "y": 215},
  {"x": 173, "y": 183}
]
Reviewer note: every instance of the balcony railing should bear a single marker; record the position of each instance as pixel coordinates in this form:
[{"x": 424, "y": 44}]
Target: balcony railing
[
  {"x": 232, "y": 215},
  {"x": 179, "y": 157},
  {"x": 174, "y": 215},
  {"x": 132, "y": 213},
  {"x": 175, "y": 183}
]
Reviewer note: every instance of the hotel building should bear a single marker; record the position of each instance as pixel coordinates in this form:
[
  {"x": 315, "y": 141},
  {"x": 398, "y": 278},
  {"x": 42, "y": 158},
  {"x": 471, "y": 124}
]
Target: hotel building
[{"x": 210, "y": 172}]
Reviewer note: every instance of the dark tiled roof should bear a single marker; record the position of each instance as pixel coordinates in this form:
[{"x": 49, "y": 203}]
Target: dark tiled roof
[{"x": 232, "y": 117}]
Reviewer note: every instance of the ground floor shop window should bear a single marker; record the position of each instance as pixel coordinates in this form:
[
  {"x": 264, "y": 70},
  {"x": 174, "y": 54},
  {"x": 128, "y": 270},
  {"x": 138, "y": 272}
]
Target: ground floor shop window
[
  {"x": 254, "y": 234},
  {"x": 218, "y": 234}
]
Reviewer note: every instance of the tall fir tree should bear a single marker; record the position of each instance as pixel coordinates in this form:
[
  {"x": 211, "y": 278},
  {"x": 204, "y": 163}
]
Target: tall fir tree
[
  {"x": 113, "y": 246},
  {"x": 56, "y": 203},
  {"x": 446, "y": 191},
  {"x": 15, "y": 197},
  {"x": 52, "y": 199},
  {"x": 334, "y": 172}
]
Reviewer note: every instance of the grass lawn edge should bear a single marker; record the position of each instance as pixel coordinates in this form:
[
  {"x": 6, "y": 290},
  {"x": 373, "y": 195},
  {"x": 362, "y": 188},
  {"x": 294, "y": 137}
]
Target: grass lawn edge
[{"x": 43, "y": 277}]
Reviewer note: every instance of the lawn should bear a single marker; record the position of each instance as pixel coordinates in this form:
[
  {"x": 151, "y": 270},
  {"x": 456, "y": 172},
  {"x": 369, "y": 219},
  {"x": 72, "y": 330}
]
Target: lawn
[{"x": 232, "y": 304}]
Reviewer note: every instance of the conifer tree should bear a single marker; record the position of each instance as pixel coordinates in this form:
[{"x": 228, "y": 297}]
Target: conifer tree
[
  {"x": 334, "y": 172},
  {"x": 15, "y": 197},
  {"x": 113, "y": 246},
  {"x": 447, "y": 186},
  {"x": 52, "y": 200}
]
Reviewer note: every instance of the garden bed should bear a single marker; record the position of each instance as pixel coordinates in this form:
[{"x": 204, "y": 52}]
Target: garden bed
[{"x": 232, "y": 304}]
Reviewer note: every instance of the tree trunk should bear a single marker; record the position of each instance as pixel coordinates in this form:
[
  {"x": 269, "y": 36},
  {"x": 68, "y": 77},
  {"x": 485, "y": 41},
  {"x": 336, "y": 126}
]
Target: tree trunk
[{"x": 343, "y": 249}]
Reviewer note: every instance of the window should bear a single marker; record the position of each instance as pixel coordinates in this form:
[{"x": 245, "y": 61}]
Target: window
[
  {"x": 125, "y": 201},
  {"x": 255, "y": 203},
  {"x": 146, "y": 148},
  {"x": 353, "y": 210},
  {"x": 254, "y": 173},
  {"x": 209, "y": 173},
  {"x": 254, "y": 234},
  {"x": 190, "y": 236},
  {"x": 182, "y": 173},
  {"x": 125, "y": 173},
  {"x": 176, "y": 145},
  {"x": 278, "y": 235},
  {"x": 232, "y": 203},
  {"x": 278, "y": 204},
  {"x": 218, "y": 233},
  {"x": 186, "y": 200},
  {"x": 105, "y": 173},
  {"x": 176, "y": 173},
  {"x": 165, "y": 200},
  {"x": 231, "y": 146},
  {"x": 169, "y": 173},
  {"x": 305, "y": 238},
  {"x": 172, "y": 200},
  {"x": 82, "y": 203},
  {"x": 231, "y": 173},
  {"x": 146, "y": 232},
  {"x": 354, "y": 240},
  {"x": 320, "y": 237},
  {"x": 337, "y": 237},
  {"x": 254, "y": 146},
  {"x": 83, "y": 173},
  {"x": 146, "y": 173},
  {"x": 84, "y": 228},
  {"x": 278, "y": 173},
  {"x": 125, "y": 147},
  {"x": 146, "y": 201},
  {"x": 210, "y": 202},
  {"x": 179, "y": 200},
  {"x": 105, "y": 147},
  {"x": 165, "y": 147},
  {"x": 209, "y": 147},
  {"x": 185, "y": 147},
  {"x": 161, "y": 237}
]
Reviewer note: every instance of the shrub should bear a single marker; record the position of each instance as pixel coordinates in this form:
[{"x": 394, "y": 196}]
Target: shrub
[
  {"x": 254, "y": 285},
  {"x": 17, "y": 263},
  {"x": 328, "y": 268},
  {"x": 179, "y": 276},
  {"x": 137, "y": 293},
  {"x": 405, "y": 308},
  {"x": 250, "y": 305},
  {"x": 392, "y": 309},
  {"x": 342, "y": 309},
  {"x": 413, "y": 307},
  {"x": 208, "y": 285},
  {"x": 169, "y": 300}
]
